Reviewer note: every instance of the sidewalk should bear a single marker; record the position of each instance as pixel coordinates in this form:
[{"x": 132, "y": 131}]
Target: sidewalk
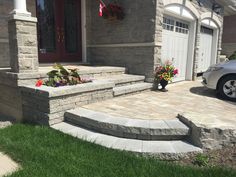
[{"x": 7, "y": 165}]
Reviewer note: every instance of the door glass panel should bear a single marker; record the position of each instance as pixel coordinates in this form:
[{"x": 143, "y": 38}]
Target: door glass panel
[
  {"x": 71, "y": 26},
  {"x": 46, "y": 25}
]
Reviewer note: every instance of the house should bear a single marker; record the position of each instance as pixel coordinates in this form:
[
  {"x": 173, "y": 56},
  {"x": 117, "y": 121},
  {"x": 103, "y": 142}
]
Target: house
[
  {"x": 229, "y": 35},
  {"x": 35, "y": 32}
]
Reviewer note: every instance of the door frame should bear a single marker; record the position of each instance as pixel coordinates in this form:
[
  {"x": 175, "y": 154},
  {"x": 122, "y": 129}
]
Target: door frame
[{"x": 83, "y": 31}]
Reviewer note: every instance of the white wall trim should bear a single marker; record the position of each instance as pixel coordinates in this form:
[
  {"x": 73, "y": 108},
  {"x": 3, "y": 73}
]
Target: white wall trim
[
  {"x": 184, "y": 3},
  {"x": 191, "y": 50},
  {"x": 83, "y": 30},
  {"x": 213, "y": 17},
  {"x": 147, "y": 44}
]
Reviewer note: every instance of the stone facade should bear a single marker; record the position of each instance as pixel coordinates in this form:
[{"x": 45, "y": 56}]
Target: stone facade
[
  {"x": 6, "y": 6},
  {"x": 23, "y": 44},
  {"x": 136, "y": 41},
  {"x": 120, "y": 43},
  {"x": 47, "y": 106}
]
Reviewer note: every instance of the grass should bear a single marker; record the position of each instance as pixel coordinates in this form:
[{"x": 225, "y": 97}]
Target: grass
[{"x": 43, "y": 152}]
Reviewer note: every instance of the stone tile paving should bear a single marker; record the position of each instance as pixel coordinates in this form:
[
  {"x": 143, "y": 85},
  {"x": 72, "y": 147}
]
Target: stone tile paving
[{"x": 190, "y": 99}]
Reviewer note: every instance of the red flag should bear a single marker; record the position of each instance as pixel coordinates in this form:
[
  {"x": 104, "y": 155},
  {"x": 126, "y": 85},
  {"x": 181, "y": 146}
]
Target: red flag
[{"x": 101, "y": 6}]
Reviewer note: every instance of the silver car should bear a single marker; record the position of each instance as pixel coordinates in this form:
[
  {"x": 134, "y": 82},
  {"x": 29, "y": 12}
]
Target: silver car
[{"x": 222, "y": 78}]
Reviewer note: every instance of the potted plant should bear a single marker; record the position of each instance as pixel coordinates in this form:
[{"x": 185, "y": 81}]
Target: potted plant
[
  {"x": 164, "y": 74},
  {"x": 111, "y": 11}
]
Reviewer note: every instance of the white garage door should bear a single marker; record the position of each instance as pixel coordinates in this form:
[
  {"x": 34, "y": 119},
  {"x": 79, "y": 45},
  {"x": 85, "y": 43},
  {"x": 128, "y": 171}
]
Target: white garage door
[
  {"x": 175, "y": 37},
  {"x": 205, "y": 50}
]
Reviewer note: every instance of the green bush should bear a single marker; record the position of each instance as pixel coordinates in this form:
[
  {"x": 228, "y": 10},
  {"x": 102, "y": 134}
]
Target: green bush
[
  {"x": 201, "y": 160},
  {"x": 233, "y": 57}
]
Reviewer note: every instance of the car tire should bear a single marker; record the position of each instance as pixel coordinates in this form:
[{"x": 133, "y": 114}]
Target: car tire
[{"x": 226, "y": 88}]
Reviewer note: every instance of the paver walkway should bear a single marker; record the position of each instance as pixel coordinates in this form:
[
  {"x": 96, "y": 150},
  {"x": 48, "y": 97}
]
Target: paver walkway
[
  {"x": 191, "y": 99},
  {"x": 7, "y": 165}
]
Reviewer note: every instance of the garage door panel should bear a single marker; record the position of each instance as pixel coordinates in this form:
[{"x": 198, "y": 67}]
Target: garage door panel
[
  {"x": 175, "y": 45},
  {"x": 205, "y": 51}
]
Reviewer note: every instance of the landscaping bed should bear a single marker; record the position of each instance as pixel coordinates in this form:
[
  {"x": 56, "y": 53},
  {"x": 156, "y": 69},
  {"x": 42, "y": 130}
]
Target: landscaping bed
[
  {"x": 225, "y": 157},
  {"x": 42, "y": 151}
]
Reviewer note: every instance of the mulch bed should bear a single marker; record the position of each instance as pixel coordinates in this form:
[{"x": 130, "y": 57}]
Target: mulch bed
[{"x": 225, "y": 157}]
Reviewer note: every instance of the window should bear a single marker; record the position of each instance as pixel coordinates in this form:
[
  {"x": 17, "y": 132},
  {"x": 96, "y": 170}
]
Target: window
[
  {"x": 206, "y": 30},
  {"x": 168, "y": 24},
  {"x": 181, "y": 27}
]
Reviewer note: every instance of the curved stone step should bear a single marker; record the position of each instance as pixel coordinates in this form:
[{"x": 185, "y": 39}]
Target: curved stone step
[
  {"x": 128, "y": 89},
  {"x": 162, "y": 149},
  {"x": 126, "y": 127}
]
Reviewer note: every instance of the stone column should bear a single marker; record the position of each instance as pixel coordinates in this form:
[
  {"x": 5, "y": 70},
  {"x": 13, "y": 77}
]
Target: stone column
[{"x": 23, "y": 45}]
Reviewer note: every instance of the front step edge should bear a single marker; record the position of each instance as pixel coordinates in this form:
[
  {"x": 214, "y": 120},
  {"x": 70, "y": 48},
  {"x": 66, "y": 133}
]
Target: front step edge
[
  {"x": 161, "y": 149},
  {"x": 127, "y": 127}
]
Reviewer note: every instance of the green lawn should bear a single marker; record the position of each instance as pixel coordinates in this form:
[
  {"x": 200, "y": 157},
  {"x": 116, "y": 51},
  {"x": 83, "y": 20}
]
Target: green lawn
[{"x": 43, "y": 152}]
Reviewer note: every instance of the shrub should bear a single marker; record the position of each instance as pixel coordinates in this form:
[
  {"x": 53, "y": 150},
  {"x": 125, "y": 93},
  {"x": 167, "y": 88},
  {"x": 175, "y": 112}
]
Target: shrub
[
  {"x": 201, "y": 160},
  {"x": 233, "y": 57}
]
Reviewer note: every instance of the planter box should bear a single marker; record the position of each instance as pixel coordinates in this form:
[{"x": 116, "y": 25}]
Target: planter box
[{"x": 47, "y": 105}]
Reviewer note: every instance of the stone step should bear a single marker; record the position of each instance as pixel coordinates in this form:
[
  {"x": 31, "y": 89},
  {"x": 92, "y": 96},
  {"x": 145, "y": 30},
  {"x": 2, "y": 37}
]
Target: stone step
[
  {"x": 102, "y": 71},
  {"x": 129, "y": 89},
  {"x": 84, "y": 71},
  {"x": 123, "y": 79},
  {"x": 161, "y": 149},
  {"x": 127, "y": 127}
]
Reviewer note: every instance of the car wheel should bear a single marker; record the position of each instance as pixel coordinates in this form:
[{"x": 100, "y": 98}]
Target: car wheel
[{"x": 227, "y": 88}]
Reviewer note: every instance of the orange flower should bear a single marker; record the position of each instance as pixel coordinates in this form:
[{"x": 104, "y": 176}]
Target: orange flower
[{"x": 39, "y": 83}]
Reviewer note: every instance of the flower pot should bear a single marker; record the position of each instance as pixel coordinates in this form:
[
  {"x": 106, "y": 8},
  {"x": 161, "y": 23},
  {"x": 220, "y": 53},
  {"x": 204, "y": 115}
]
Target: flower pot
[{"x": 163, "y": 83}]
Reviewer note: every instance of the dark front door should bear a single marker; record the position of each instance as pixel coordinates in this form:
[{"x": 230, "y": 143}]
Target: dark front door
[{"x": 59, "y": 30}]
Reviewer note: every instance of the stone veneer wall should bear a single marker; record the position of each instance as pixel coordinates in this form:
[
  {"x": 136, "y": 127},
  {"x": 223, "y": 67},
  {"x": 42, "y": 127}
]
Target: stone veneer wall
[
  {"x": 6, "y": 6},
  {"x": 137, "y": 27},
  {"x": 47, "y": 105}
]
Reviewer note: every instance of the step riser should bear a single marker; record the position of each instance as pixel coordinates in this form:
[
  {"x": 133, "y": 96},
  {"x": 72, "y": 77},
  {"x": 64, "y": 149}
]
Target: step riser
[
  {"x": 171, "y": 150},
  {"x": 131, "y": 89},
  {"x": 128, "y": 83},
  {"x": 127, "y": 132},
  {"x": 94, "y": 75}
]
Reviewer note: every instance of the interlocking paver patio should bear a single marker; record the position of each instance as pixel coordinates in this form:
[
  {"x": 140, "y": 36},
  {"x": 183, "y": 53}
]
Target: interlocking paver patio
[{"x": 191, "y": 99}]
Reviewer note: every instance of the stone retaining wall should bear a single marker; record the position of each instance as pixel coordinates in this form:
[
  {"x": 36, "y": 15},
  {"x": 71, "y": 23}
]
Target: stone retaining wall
[
  {"x": 47, "y": 105},
  {"x": 210, "y": 137}
]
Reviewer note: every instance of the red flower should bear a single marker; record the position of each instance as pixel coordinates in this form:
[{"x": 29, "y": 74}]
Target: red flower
[
  {"x": 39, "y": 83},
  {"x": 176, "y": 71}
]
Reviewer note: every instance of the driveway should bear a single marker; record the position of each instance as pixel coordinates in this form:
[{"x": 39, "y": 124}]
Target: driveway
[{"x": 189, "y": 99}]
